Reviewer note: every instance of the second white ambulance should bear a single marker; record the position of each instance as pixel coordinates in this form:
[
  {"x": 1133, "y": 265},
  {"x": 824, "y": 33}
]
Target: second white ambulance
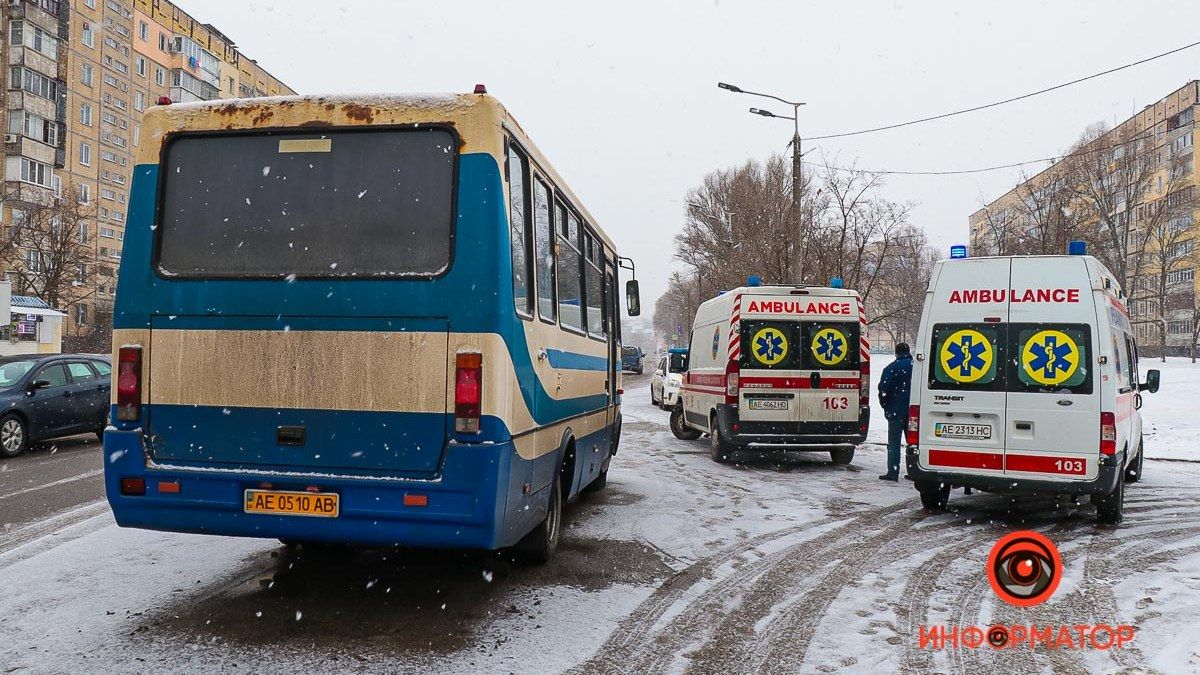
[
  {"x": 777, "y": 368},
  {"x": 1026, "y": 381}
]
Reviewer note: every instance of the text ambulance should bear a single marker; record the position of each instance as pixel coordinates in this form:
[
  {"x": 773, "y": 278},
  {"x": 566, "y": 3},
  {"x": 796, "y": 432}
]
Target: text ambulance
[
  {"x": 777, "y": 368},
  {"x": 1026, "y": 382}
]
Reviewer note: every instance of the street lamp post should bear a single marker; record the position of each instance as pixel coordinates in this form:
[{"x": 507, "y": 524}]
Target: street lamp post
[{"x": 797, "y": 169}]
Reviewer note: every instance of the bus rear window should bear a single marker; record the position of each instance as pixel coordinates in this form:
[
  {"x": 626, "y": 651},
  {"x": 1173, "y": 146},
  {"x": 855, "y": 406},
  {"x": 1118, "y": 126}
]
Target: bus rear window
[
  {"x": 355, "y": 203},
  {"x": 830, "y": 345},
  {"x": 770, "y": 344},
  {"x": 967, "y": 356}
]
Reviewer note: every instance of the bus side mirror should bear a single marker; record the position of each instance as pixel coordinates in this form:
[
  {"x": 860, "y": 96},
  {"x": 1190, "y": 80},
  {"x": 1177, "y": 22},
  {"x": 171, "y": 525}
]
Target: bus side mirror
[
  {"x": 633, "y": 301},
  {"x": 1151, "y": 383}
]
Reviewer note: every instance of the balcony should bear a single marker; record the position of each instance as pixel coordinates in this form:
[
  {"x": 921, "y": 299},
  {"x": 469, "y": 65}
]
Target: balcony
[{"x": 27, "y": 147}]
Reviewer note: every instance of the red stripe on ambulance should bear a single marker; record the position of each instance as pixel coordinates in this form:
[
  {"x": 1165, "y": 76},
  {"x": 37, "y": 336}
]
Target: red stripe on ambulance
[{"x": 966, "y": 459}]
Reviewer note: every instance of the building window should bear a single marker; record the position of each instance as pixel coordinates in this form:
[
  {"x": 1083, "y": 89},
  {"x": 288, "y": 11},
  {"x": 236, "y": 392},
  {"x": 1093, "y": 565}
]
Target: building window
[
  {"x": 36, "y": 173},
  {"x": 85, "y": 194},
  {"x": 141, "y": 66},
  {"x": 85, "y": 114},
  {"x": 160, "y": 76},
  {"x": 80, "y": 315},
  {"x": 89, "y": 37},
  {"x": 85, "y": 74},
  {"x": 33, "y": 262},
  {"x": 109, "y": 194},
  {"x": 90, "y": 3},
  {"x": 231, "y": 86},
  {"x": 34, "y": 82},
  {"x": 85, "y": 154},
  {"x": 163, "y": 44},
  {"x": 139, "y": 101},
  {"x": 143, "y": 31},
  {"x": 83, "y": 233},
  {"x": 107, "y": 232}
]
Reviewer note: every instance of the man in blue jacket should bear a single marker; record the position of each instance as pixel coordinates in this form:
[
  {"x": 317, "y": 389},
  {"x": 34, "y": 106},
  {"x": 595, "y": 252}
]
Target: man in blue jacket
[{"x": 893, "y": 398}]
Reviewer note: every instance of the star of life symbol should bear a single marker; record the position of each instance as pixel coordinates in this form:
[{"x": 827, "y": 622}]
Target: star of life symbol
[
  {"x": 769, "y": 346},
  {"x": 966, "y": 355},
  {"x": 1050, "y": 357},
  {"x": 829, "y": 346}
]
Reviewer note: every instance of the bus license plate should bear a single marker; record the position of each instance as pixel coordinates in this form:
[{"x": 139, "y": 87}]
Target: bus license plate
[
  {"x": 768, "y": 404},
  {"x": 284, "y": 503},
  {"x": 946, "y": 430}
]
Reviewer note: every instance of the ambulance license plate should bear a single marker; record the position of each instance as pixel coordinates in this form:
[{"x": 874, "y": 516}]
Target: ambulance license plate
[
  {"x": 768, "y": 404},
  {"x": 286, "y": 503},
  {"x": 948, "y": 430}
]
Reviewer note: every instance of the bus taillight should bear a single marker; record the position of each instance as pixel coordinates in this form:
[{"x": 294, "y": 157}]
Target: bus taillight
[
  {"x": 468, "y": 393},
  {"x": 1108, "y": 433},
  {"x": 129, "y": 384},
  {"x": 864, "y": 384}
]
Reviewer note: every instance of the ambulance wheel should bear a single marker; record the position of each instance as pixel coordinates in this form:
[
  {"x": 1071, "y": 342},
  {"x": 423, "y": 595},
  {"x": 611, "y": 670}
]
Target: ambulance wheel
[
  {"x": 681, "y": 430},
  {"x": 934, "y": 495},
  {"x": 539, "y": 545},
  {"x": 1110, "y": 508},
  {"x": 720, "y": 449},
  {"x": 842, "y": 455},
  {"x": 1133, "y": 472}
]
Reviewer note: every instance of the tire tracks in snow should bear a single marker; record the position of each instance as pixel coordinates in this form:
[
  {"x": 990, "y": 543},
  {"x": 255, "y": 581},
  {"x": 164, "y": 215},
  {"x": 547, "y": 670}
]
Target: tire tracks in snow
[{"x": 651, "y": 637}]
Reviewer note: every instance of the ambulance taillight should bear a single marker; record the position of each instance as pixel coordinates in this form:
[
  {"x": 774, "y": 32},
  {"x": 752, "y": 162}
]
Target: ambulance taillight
[
  {"x": 1108, "y": 433},
  {"x": 468, "y": 393},
  {"x": 864, "y": 384},
  {"x": 912, "y": 433},
  {"x": 731, "y": 382}
]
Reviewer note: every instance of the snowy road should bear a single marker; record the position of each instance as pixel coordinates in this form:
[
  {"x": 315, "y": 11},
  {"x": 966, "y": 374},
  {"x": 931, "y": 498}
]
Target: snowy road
[{"x": 680, "y": 565}]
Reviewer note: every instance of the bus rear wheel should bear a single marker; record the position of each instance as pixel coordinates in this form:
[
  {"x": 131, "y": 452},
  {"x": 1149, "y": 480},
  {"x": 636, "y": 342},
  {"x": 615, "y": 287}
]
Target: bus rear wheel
[
  {"x": 538, "y": 546},
  {"x": 678, "y": 427}
]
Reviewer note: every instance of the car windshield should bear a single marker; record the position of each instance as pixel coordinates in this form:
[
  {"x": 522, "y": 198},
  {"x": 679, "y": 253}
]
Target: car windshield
[{"x": 13, "y": 371}]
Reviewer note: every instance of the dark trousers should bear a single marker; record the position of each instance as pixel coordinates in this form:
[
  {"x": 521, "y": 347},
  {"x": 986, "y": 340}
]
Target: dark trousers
[{"x": 895, "y": 435}]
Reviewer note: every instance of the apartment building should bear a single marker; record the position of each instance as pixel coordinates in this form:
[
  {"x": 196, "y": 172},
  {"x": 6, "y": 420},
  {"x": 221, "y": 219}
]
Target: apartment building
[
  {"x": 81, "y": 74},
  {"x": 1162, "y": 287}
]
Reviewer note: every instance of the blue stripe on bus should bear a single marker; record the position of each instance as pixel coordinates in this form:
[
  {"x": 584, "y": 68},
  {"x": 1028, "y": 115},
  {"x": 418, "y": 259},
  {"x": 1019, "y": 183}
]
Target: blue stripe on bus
[
  {"x": 473, "y": 295},
  {"x": 575, "y": 361}
]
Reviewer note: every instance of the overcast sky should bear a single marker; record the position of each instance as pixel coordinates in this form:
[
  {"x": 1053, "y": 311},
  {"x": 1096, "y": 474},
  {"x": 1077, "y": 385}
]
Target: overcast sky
[{"x": 622, "y": 96}]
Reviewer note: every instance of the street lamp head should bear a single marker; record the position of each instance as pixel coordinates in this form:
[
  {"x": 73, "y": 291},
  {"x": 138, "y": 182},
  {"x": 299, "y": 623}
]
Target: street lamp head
[
  {"x": 764, "y": 113},
  {"x": 729, "y": 87}
]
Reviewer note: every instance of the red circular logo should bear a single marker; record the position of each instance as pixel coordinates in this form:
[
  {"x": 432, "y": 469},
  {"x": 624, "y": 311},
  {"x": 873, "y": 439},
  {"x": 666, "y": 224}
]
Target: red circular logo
[{"x": 1024, "y": 568}]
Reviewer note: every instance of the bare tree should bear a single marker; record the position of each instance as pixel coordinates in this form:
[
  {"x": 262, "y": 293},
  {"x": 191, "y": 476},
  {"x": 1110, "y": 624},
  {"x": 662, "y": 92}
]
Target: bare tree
[{"x": 46, "y": 248}]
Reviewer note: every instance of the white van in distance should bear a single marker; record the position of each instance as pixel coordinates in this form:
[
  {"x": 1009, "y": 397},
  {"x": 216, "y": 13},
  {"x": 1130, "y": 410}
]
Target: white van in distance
[
  {"x": 777, "y": 368},
  {"x": 1025, "y": 381}
]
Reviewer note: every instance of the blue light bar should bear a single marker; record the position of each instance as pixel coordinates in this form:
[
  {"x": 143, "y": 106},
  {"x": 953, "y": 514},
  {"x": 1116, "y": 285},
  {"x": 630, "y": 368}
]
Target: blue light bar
[
  {"x": 754, "y": 280},
  {"x": 958, "y": 251},
  {"x": 836, "y": 282},
  {"x": 1077, "y": 247}
]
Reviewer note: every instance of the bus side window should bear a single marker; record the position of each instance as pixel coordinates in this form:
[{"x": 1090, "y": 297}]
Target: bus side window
[
  {"x": 570, "y": 268},
  {"x": 518, "y": 190},
  {"x": 543, "y": 251},
  {"x": 1133, "y": 361},
  {"x": 594, "y": 291}
]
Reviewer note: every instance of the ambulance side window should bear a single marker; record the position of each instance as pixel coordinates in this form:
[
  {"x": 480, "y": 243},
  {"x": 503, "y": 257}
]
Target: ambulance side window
[
  {"x": 1051, "y": 358},
  {"x": 1133, "y": 362},
  {"x": 1121, "y": 359},
  {"x": 967, "y": 356}
]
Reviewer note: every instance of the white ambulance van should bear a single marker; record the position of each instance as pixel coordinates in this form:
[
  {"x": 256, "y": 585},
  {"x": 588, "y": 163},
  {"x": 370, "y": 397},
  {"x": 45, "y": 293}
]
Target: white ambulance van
[
  {"x": 777, "y": 368},
  {"x": 1025, "y": 381}
]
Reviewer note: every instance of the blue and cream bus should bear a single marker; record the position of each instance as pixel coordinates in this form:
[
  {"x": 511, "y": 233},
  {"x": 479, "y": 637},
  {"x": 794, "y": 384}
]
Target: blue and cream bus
[{"x": 379, "y": 321}]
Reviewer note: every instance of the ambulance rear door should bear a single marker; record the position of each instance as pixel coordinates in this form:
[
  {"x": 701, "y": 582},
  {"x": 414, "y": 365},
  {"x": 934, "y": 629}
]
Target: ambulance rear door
[
  {"x": 800, "y": 360},
  {"x": 962, "y": 415},
  {"x": 1053, "y": 429}
]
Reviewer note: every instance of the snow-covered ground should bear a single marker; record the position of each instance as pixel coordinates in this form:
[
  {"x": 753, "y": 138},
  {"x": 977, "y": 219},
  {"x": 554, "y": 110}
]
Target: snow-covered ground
[
  {"x": 770, "y": 565},
  {"x": 1172, "y": 416}
]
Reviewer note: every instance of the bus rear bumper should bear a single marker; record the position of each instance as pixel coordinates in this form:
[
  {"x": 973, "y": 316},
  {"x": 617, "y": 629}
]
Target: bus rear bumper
[{"x": 465, "y": 508}]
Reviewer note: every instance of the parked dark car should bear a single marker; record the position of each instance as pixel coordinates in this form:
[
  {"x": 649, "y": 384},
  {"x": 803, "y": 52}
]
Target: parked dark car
[
  {"x": 51, "y": 396},
  {"x": 631, "y": 359}
]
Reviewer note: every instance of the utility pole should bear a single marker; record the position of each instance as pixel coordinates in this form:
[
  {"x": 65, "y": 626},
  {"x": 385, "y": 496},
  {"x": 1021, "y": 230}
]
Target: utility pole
[{"x": 797, "y": 172}]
